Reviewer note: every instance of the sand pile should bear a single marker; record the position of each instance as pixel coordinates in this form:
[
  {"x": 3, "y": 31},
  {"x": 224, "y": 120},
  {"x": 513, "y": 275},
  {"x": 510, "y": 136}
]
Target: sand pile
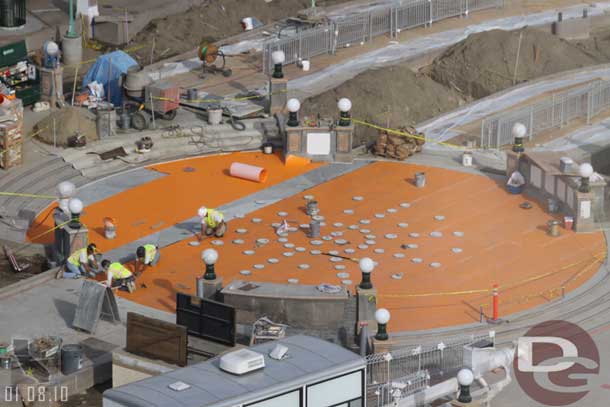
[
  {"x": 484, "y": 63},
  {"x": 68, "y": 122},
  {"x": 393, "y": 97},
  {"x": 212, "y": 21}
]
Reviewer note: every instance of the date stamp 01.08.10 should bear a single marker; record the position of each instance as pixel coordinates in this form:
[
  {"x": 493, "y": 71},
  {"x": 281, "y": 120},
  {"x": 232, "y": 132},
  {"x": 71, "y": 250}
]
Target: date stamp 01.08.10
[{"x": 33, "y": 394}]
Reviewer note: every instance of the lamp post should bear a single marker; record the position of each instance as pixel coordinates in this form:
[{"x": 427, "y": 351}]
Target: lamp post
[
  {"x": 71, "y": 31},
  {"x": 210, "y": 257},
  {"x": 366, "y": 267},
  {"x": 65, "y": 191},
  {"x": 585, "y": 170},
  {"x": 278, "y": 58},
  {"x": 293, "y": 106},
  {"x": 345, "y": 105},
  {"x": 75, "y": 206},
  {"x": 465, "y": 379},
  {"x": 382, "y": 316},
  {"x": 519, "y": 131}
]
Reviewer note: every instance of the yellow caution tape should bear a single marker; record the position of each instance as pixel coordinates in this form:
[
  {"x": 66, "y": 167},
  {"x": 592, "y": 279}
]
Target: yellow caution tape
[
  {"x": 405, "y": 134},
  {"x": 434, "y": 294}
]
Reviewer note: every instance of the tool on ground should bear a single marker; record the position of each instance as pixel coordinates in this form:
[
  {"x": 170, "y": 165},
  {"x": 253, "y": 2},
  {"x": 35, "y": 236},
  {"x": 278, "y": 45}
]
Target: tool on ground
[
  {"x": 208, "y": 54},
  {"x": 10, "y": 255},
  {"x": 341, "y": 257}
]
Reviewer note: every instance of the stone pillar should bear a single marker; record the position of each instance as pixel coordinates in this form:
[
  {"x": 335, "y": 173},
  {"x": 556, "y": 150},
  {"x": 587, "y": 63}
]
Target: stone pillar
[
  {"x": 208, "y": 288},
  {"x": 584, "y": 220},
  {"x": 70, "y": 241},
  {"x": 278, "y": 95},
  {"x": 512, "y": 162},
  {"x": 367, "y": 305},
  {"x": 343, "y": 149},
  {"x": 386, "y": 346}
]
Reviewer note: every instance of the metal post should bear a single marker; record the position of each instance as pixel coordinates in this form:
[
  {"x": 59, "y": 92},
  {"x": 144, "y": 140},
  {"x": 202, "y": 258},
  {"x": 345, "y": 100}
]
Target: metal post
[
  {"x": 531, "y": 127},
  {"x": 431, "y": 10},
  {"x": 54, "y": 134},
  {"x": 152, "y": 110}
]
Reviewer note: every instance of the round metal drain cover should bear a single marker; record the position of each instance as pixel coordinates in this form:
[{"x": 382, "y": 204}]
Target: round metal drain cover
[
  {"x": 333, "y": 252},
  {"x": 365, "y": 221},
  {"x": 338, "y": 224},
  {"x": 304, "y": 226},
  {"x": 362, "y": 247},
  {"x": 339, "y": 267},
  {"x": 256, "y": 220},
  {"x": 303, "y": 266},
  {"x": 436, "y": 234},
  {"x": 262, "y": 241},
  {"x": 194, "y": 243},
  {"x": 349, "y": 251},
  {"x": 273, "y": 260},
  {"x": 300, "y": 249},
  {"x": 293, "y": 280},
  {"x": 416, "y": 260},
  {"x": 353, "y": 227},
  {"x": 435, "y": 265},
  {"x": 412, "y": 246},
  {"x": 308, "y": 197},
  {"x": 456, "y": 250},
  {"x": 341, "y": 242},
  {"x": 348, "y": 211},
  {"x": 327, "y": 238},
  {"x": 346, "y": 282},
  {"x": 391, "y": 210},
  {"x": 399, "y": 255},
  {"x": 316, "y": 242},
  {"x": 259, "y": 266},
  {"x": 379, "y": 251},
  {"x": 319, "y": 218},
  {"x": 397, "y": 276},
  {"x": 370, "y": 237},
  {"x": 282, "y": 214},
  {"x": 336, "y": 259},
  {"x": 282, "y": 239},
  {"x": 458, "y": 234},
  {"x": 403, "y": 225},
  {"x": 391, "y": 236},
  {"x": 380, "y": 215},
  {"x": 248, "y": 252},
  {"x": 245, "y": 272},
  {"x": 336, "y": 234},
  {"x": 343, "y": 275},
  {"x": 288, "y": 254},
  {"x": 315, "y": 252},
  {"x": 439, "y": 217},
  {"x": 405, "y": 205},
  {"x": 414, "y": 234},
  {"x": 275, "y": 225},
  {"x": 288, "y": 245},
  {"x": 241, "y": 231},
  {"x": 358, "y": 198},
  {"x": 370, "y": 242},
  {"x": 238, "y": 241},
  {"x": 365, "y": 231}
]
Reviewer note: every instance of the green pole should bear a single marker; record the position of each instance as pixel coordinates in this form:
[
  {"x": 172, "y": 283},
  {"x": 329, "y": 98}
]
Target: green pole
[
  {"x": 71, "y": 32},
  {"x": 313, "y": 6}
]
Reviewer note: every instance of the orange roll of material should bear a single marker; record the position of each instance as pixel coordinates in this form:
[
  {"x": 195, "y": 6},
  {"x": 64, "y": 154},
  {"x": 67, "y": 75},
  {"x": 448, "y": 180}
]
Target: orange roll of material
[{"x": 249, "y": 172}]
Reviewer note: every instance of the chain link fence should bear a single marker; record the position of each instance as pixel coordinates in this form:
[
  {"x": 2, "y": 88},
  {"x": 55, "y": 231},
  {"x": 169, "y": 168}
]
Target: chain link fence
[
  {"x": 357, "y": 29},
  {"x": 388, "y": 393},
  {"x": 583, "y": 102}
]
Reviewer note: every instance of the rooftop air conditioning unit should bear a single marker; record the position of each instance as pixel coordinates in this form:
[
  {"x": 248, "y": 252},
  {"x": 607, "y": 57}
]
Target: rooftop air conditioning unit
[{"x": 242, "y": 361}]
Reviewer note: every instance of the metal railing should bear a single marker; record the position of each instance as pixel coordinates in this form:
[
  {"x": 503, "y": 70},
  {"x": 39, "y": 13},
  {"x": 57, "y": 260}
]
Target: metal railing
[
  {"x": 555, "y": 111},
  {"x": 387, "y": 393},
  {"x": 357, "y": 29},
  {"x": 436, "y": 359}
]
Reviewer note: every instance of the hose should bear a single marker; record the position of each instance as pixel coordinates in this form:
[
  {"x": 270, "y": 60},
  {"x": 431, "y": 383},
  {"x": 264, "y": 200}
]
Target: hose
[{"x": 235, "y": 123}]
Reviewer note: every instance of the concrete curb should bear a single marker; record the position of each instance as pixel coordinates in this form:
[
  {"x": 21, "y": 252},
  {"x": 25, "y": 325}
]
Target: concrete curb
[{"x": 28, "y": 283}]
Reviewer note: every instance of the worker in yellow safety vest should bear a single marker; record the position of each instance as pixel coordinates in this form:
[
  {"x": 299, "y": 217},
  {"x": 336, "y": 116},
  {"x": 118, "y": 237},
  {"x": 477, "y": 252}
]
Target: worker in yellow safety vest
[
  {"x": 212, "y": 222},
  {"x": 147, "y": 255},
  {"x": 119, "y": 276},
  {"x": 82, "y": 262}
]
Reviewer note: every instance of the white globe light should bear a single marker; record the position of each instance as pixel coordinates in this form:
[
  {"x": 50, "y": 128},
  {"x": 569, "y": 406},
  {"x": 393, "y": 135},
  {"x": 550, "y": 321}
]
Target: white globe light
[
  {"x": 278, "y": 57},
  {"x": 202, "y": 211},
  {"x": 344, "y": 105},
  {"x": 76, "y": 206},
  {"x": 519, "y": 130},
  {"x": 293, "y": 105},
  {"x": 465, "y": 377},
  {"x": 366, "y": 265},
  {"x": 586, "y": 170},
  {"x": 66, "y": 189},
  {"x": 382, "y": 316},
  {"x": 209, "y": 256},
  {"x": 51, "y": 48}
]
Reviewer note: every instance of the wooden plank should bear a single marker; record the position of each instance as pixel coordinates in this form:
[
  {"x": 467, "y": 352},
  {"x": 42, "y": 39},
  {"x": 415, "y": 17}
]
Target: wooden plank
[{"x": 156, "y": 339}]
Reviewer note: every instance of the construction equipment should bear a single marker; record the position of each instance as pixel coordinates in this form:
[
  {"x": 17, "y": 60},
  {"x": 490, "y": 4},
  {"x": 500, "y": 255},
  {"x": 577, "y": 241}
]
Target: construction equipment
[{"x": 208, "y": 54}]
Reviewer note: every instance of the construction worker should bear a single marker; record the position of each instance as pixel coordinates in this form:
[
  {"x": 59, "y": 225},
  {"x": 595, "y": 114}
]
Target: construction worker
[
  {"x": 118, "y": 276},
  {"x": 212, "y": 222},
  {"x": 82, "y": 262},
  {"x": 147, "y": 255}
]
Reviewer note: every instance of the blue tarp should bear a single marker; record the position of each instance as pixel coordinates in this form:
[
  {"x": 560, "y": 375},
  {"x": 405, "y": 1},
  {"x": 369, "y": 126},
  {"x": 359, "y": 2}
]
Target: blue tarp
[{"x": 107, "y": 70}]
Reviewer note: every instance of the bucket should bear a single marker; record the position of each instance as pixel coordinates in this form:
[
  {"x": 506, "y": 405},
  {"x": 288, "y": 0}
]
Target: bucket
[
  {"x": 72, "y": 48},
  {"x": 71, "y": 359},
  {"x": 192, "y": 94},
  {"x": 306, "y": 65},
  {"x": 467, "y": 159},
  {"x": 314, "y": 228},
  {"x": 106, "y": 121},
  {"x": 420, "y": 179},
  {"x": 312, "y": 208},
  {"x": 515, "y": 189},
  {"x": 109, "y": 228},
  {"x": 214, "y": 117},
  {"x": 125, "y": 120},
  {"x": 268, "y": 148},
  {"x": 553, "y": 228},
  {"x": 568, "y": 222}
]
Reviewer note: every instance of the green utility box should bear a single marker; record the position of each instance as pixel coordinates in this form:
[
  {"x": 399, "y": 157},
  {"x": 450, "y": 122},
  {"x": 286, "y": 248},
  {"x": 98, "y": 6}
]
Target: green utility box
[{"x": 18, "y": 74}]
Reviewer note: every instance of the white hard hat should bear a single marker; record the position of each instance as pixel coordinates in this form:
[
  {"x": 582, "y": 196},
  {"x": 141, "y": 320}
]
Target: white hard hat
[{"x": 202, "y": 211}]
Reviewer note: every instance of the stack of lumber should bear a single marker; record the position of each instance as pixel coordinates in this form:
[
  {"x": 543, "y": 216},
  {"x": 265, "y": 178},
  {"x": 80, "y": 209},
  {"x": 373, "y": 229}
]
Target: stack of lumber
[{"x": 399, "y": 147}]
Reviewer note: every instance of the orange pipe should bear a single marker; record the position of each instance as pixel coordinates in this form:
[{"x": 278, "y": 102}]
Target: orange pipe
[{"x": 249, "y": 172}]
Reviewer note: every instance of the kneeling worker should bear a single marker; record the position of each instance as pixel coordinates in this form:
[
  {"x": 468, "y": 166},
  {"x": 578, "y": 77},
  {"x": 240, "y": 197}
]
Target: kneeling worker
[
  {"x": 82, "y": 263},
  {"x": 119, "y": 276},
  {"x": 212, "y": 222},
  {"x": 147, "y": 255}
]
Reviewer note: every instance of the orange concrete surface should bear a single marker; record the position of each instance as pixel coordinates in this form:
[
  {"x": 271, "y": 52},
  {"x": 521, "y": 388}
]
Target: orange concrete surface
[
  {"x": 502, "y": 244},
  {"x": 161, "y": 203}
]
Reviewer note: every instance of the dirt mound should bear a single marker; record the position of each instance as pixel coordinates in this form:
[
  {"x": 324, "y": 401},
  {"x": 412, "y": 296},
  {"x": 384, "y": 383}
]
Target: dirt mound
[
  {"x": 212, "y": 21},
  {"x": 392, "y": 97},
  {"x": 484, "y": 63},
  {"x": 68, "y": 122}
]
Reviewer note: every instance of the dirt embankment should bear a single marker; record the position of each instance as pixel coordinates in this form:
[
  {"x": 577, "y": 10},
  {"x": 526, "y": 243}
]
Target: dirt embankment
[
  {"x": 479, "y": 66},
  {"x": 212, "y": 21},
  {"x": 390, "y": 97},
  {"x": 31, "y": 254},
  {"x": 486, "y": 63}
]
